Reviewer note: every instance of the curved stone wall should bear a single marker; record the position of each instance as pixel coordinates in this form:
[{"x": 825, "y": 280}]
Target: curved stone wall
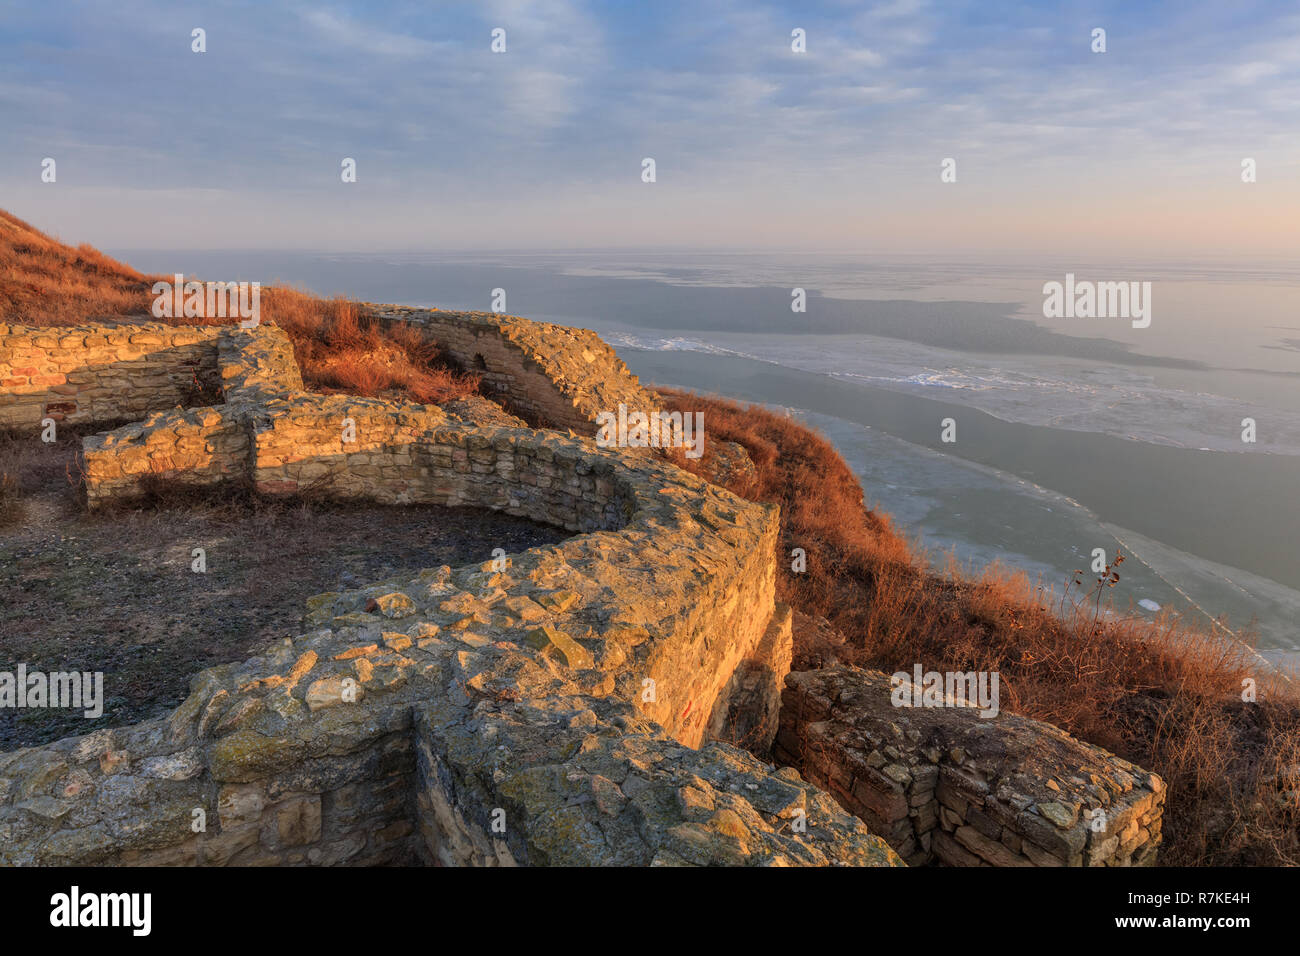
[{"x": 551, "y": 707}]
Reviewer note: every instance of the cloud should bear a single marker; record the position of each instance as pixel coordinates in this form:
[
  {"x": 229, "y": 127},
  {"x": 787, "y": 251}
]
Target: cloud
[
  {"x": 442, "y": 127},
  {"x": 1248, "y": 73},
  {"x": 341, "y": 31}
]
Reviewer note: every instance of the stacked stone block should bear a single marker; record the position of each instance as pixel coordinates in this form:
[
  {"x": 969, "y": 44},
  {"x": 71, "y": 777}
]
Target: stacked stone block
[
  {"x": 101, "y": 374},
  {"x": 198, "y": 446},
  {"x": 195, "y": 447},
  {"x": 257, "y": 365},
  {"x": 556, "y": 708},
  {"x": 946, "y": 785},
  {"x": 552, "y": 373}
]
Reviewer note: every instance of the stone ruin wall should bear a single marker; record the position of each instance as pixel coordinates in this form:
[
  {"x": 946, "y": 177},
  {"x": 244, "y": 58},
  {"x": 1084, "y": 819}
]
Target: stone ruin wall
[
  {"x": 945, "y": 785},
  {"x": 588, "y": 695},
  {"x": 410, "y": 714},
  {"x": 479, "y": 691},
  {"x": 101, "y": 374},
  {"x": 562, "y": 375}
]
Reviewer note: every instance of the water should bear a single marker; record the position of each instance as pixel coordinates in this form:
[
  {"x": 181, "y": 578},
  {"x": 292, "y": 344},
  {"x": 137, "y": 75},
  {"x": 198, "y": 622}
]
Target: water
[{"x": 1072, "y": 434}]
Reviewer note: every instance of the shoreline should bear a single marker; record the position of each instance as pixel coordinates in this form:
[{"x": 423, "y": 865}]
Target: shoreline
[{"x": 994, "y": 446}]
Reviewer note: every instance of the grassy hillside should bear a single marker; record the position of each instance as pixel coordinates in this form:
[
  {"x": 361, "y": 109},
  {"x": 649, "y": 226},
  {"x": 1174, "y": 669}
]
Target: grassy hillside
[{"x": 42, "y": 277}]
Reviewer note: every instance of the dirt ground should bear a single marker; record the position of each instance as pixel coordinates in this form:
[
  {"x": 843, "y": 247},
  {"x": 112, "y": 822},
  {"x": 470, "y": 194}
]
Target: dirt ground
[{"x": 115, "y": 592}]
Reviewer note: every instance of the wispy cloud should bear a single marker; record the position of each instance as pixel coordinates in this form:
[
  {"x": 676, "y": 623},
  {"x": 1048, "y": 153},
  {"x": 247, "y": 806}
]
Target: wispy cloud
[{"x": 445, "y": 131}]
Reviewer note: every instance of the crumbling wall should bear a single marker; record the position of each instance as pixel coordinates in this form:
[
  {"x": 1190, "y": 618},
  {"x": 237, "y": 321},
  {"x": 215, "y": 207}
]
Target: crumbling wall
[
  {"x": 506, "y": 704},
  {"x": 195, "y": 446},
  {"x": 97, "y": 374},
  {"x": 204, "y": 446},
  {"x": 409, "y": 454},
  {"x": 551, "y": 372},
  {"x": 946, "y": 785},
  {"x": 553, "y": 707},
  {"x": 256, "y": 365},
  {"x": 544, "y": 708},
  {"x": 285, "y": 440}
]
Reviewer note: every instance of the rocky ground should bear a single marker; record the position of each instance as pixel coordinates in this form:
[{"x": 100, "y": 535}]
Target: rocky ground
[{"x": 116, "y": 593}]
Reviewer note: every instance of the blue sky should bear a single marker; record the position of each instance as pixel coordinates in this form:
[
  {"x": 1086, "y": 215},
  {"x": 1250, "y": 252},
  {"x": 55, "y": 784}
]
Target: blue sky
[{"x": 1057, "y": 148}]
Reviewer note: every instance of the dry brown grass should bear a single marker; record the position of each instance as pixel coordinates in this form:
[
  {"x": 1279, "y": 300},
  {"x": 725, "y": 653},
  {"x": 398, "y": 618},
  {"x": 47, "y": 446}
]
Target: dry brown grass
[
  {"x": 1159, "y": 693},
  {"x": 341, "y": 348},
  {"x": 338, "y": 345},
  {"x": 43, "y": 278}
]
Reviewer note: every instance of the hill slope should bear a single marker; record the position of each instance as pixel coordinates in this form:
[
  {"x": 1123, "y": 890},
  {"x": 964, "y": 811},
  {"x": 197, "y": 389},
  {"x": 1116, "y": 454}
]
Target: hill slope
[{"x": 46, "y": 282}]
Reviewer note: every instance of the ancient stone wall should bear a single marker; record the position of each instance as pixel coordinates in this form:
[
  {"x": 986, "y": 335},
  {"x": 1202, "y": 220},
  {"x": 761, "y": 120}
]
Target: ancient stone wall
[
  {"x": 101, "y": 374},
  {"x": 284, "y": 440},
  {"x": 558, "y": 374},
  {"x": 256, "y": 365},
  {"x": 197, "y": 446},
  {"x": 542, "y": 709},
  {"x": 946, "y": 785},
  {"x": 509, "y": 694},
  {"x": 407, "y": 454}
]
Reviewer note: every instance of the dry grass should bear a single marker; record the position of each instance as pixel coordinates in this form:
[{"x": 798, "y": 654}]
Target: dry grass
[
  {"x": 339, "y": 347},
  {"x": 42, "y": 277},
  {"x": 1159, "y": 693}
]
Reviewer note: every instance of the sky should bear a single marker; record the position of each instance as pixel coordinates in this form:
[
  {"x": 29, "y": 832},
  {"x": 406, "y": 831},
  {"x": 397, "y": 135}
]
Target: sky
[{"x": 1057, "y": 148}]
